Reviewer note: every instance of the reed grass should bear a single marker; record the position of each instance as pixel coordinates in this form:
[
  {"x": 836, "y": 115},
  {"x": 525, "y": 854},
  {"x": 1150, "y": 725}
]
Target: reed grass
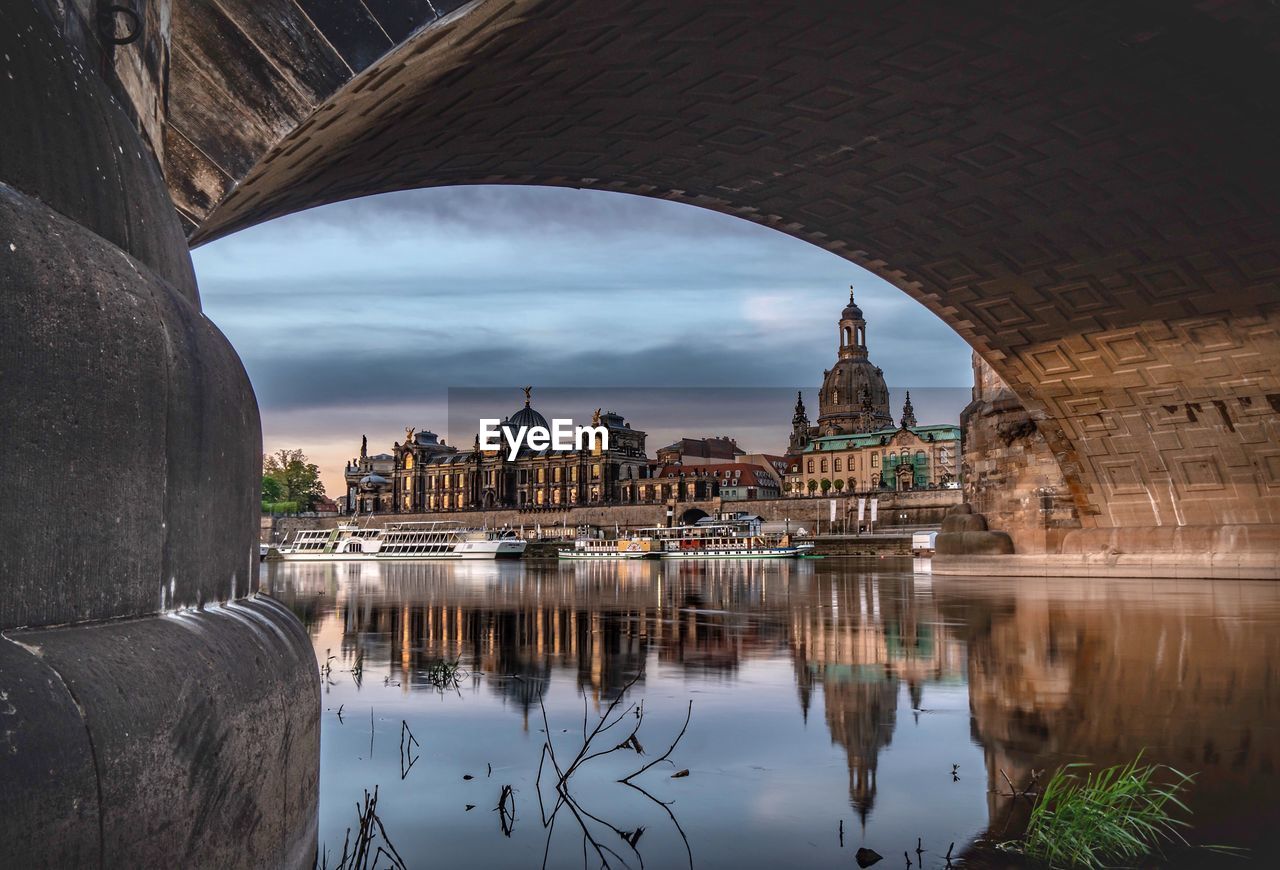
[{"x": 1100, "y": 818}]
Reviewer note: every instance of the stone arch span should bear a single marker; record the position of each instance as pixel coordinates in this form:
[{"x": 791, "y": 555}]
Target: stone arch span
[{"x": 1085, "y": 193}]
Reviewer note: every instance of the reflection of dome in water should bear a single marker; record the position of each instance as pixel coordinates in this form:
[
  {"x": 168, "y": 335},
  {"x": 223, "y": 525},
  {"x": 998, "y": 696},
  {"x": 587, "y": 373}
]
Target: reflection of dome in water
[{"x": 861, "y": 715}]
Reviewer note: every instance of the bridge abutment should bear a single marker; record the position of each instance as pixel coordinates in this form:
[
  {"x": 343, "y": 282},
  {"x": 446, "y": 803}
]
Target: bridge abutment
[{"x": 152, "y": 705}]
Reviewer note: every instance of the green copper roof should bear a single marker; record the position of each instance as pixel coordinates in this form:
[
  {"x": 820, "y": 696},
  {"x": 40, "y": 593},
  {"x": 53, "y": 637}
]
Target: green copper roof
[{"x": 940, "y": 432}]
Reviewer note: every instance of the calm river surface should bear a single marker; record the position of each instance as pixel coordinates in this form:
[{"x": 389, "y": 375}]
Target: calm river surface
[{"x": 828, "y": 695}]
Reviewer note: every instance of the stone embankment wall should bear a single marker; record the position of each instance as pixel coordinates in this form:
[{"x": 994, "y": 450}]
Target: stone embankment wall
[
  {"x": 1008, "y": 467},
  {"x": 921, "y": 508}
]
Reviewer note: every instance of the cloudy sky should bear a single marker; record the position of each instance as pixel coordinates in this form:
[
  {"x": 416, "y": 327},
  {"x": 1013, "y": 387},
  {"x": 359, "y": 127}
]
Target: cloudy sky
[{"x": 368, "y": 316}]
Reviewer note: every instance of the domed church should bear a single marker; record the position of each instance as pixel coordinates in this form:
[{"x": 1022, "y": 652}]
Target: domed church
[
  {"x": 853, "y": 397},
  {"x": 856, "y": 447}
]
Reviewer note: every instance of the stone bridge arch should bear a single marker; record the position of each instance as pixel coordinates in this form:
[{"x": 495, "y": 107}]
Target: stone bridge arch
[{"x": 1087, "y": 196}]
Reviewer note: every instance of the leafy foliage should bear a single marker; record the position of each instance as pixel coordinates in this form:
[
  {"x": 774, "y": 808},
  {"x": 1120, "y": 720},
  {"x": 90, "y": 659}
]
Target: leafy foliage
[
  {"x": 272, "y": 490},
  {"x": 295, "y": 479},
  {"x": 1115, "y": 814},
  {"x": 280, "y": 507}
]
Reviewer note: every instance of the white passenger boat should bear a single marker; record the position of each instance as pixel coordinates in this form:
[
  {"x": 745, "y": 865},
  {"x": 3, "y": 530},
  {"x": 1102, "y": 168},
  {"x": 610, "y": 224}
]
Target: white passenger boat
[
  {"x": 731, "y": 539},
  {"x": 736, "y": 538},
  {"x": 614, "y": 549},
  {"x": 435, "y": 540}
]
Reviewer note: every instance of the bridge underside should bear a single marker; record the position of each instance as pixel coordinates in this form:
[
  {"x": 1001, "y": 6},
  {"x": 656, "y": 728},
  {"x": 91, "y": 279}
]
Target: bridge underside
[{"x": 1088, "y": 195}]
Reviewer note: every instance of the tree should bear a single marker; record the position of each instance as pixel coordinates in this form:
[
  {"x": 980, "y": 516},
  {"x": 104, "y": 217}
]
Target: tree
[
  {"x": 826, "y": 484},
  {"x": 298, "y": 479},
  {"x": 838, "y": 483},
  {"x": 272, "y": 491},
  {"x": 813, "y": 485}
]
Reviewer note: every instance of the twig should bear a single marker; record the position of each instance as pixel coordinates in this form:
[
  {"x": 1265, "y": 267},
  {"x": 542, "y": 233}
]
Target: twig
[
  {"x": 600, "y": 726},
  {"x": 663, "y": 756},
  {"x": 670, "y": 815}
]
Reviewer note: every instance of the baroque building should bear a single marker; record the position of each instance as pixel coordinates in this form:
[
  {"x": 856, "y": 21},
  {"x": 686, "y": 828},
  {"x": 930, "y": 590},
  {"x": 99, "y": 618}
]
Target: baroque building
[
  {"x": 855, "y": 445},
  {"x": 425, "y": 474}
]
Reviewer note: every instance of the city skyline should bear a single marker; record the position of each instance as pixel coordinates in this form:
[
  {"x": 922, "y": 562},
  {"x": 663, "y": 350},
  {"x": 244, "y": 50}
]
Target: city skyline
[{"x": 378, "y": 307}]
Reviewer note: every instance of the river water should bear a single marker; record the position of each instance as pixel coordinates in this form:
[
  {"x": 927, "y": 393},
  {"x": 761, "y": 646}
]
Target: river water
[{"x": 836, "y": 704}]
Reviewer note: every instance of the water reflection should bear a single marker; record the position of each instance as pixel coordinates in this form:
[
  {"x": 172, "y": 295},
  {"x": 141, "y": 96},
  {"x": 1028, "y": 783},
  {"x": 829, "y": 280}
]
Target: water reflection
[{"x": 911, "y": 678}]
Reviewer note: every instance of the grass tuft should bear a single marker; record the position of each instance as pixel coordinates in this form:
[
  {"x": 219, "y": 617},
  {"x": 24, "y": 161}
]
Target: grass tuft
[{"x": 1116, "y": 814}]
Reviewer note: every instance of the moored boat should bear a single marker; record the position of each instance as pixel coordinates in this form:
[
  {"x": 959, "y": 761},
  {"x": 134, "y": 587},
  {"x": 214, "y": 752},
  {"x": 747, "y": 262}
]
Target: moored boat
[
  {"x": 636, "y": 547},
  {"x": 727, "y": 539},
  {"x": 408, "y": 541}
]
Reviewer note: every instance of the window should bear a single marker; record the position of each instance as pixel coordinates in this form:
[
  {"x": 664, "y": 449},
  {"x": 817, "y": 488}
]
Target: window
[
  {"x": 811, "y": 466},
  {"x": 573, "y": 474},
  {"x": 875, "y": 460},
  {"x": 837, "y": 466},
  {"x": 542, "y": 476},
  {"x": 555, "y": 474},
  {"x": 595, "y": 472},
  {"x": 824, "y": 466}
]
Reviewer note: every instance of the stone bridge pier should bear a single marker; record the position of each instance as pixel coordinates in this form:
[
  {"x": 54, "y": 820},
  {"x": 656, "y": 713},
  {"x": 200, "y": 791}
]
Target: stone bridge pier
[{"x": 154, "y": 710}]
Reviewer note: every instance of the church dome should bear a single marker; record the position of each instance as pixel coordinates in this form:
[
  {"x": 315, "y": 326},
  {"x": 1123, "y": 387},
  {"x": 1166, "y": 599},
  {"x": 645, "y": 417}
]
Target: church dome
[{"x": 854, "y": 398}]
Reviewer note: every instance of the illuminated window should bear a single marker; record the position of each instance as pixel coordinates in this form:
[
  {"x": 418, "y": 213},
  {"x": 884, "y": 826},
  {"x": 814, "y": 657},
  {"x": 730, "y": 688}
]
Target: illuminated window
[
  {"x": 811, "y": 466},
  {"x": 875, "y": 460},
  {"x": 837, "y": 466},
  {"x": 824, "y": 466},
  {"x": 408, "y": 460}
]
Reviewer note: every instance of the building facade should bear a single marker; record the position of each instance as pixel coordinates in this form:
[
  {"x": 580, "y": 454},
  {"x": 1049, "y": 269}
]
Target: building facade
[{"x": 426, "y": 475}]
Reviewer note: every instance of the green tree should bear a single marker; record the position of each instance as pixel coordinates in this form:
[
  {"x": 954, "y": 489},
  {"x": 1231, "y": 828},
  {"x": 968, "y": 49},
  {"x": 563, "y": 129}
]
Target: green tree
[
  {"x": 838, "y": 483},
  {"x": 826, "y": 485},
  {"x": 813, "y": 485},
  {"x": 298, "y": 479},
  {"x": 272, "y": 491}
]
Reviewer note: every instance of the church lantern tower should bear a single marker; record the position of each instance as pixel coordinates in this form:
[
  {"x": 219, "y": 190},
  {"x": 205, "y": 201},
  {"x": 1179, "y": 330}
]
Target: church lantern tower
[{"x": 853, "y": 397}]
